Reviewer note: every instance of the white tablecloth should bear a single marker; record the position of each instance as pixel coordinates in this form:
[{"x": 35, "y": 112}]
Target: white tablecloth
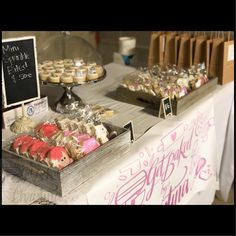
[{"x": 16, "y": 191}]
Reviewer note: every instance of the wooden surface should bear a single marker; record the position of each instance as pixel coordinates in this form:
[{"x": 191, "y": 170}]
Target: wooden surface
[{"x": 72, "y": 176}]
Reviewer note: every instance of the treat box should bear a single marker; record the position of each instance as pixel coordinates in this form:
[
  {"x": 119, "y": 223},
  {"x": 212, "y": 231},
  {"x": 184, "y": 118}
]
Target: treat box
[
  {"x": 178, "y": 105},
  {"x": 61, "y": 182}
]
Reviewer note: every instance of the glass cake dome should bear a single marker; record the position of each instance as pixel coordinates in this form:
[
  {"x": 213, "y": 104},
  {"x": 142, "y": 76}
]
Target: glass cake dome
[{"x": 65, "y": 46}]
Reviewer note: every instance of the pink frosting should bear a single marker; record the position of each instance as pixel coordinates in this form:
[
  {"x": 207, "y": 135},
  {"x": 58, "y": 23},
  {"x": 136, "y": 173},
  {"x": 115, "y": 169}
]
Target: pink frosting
[
  {"x": 89, "y": 145},
  {"x": 82, "y": 137}
]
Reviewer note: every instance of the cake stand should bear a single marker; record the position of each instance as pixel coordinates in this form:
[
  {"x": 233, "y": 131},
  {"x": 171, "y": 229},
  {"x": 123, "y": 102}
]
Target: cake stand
[{"x": 69, "y": 100}]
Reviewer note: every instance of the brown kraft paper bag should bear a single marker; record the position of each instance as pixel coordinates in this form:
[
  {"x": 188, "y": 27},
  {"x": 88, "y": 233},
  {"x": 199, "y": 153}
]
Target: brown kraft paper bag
[
  {"x": 208, "y": 54},
  {"x": 184, "y": 51},
  {"x": 228, "y": 61},
  {"x": 170, "y": 51},
  {"x": 155, "y": 55},
  {"x": 191, "y": 49},
  {"x": 200, "y": 50},
  {"x": 216, "y": 59}
]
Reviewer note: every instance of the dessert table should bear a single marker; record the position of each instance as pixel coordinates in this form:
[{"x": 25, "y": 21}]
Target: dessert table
[{"x": 183, "y": 159}]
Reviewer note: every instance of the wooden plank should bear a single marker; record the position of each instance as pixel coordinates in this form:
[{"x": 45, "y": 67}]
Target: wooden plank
[
  {"x": 31, "y": 171},
  {"x": 61, "y": 182}
]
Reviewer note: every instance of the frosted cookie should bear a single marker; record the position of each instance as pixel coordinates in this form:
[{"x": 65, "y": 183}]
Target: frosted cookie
[
  {"x": 46, "y": 130},
  {"x": 19, "y": 141},
  {"x": 24, "y": 149},
  {"x": 74, "y": 150},
  {"x": 63, "y": 123},
  {"x": 58, "y": 158},
  {"x": 23, "y": 125},
  {"x": 67, "y": 79},
  {"x": 101, "y": 133},
  {"x": 34, "y": 148},
  {"x": 89, "y": 145},
  {"x": 54, "y": 79}
]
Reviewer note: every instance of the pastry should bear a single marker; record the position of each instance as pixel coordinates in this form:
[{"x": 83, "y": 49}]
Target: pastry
[
  {"x": 54, "y": 79},
  {"x": 22, "y": 125},
  {"x": 32, "y": 153},
  {"x": 19, "y": 141},
  {"x": 79, "y": 62},
  {"x": 89, "y": 145},
  {"x": 44, "y": 76},
  {"x": 100, "y": 132},
  {"x": 48, "y": 63},
  {"x": 92, "y": 74},
  {"x": 24, "y": 149},
  {"x": 99, "y": 70},
  {"x": 46, "y": 130},
  {"x": 67, "y": 79},
  {"x": 58, "y": 62}
]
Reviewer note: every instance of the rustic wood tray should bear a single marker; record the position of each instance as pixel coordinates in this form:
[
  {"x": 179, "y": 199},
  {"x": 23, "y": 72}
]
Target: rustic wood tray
[
  {"x": 63, "y": 181},
  {"x": 178, "y": 105}
]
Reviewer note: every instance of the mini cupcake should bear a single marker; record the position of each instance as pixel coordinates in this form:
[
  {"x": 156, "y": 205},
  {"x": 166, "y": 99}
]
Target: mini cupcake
[
  {"x": 44, "y": 76},
  {"x": 54, "y": 79},
  {"x": 99, "y": 70},
  {"x": 67, "y": 79},
  {"x": 48, "y": 63}
]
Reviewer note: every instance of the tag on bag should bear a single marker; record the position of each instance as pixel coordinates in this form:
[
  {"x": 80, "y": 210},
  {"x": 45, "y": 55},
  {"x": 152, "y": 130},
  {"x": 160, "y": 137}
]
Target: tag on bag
[{"x": 228, "y": 62}]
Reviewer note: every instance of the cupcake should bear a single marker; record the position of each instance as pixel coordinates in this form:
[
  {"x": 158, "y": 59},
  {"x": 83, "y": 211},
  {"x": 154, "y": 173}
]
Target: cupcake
[
  {"x": 54, "y": 79},
  {"x": 67, "y": 79},
  {"x": 99, "y": 70},
  {"x": 44, "y": 76},
  {"x": 58, "y": 62},
  {"x": 92, "y": 74},
  {"x": 48, "y": 63}
]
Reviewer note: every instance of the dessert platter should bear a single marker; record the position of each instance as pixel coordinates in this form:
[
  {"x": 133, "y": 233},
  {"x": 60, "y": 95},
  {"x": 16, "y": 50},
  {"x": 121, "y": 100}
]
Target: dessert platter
[
  {"x": 61, "y": 154},
  {"x": 68, "y": 73}
]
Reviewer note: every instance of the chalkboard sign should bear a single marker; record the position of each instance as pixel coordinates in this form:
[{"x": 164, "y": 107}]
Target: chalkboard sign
[
  {"x": 129, "y": 126},
  {"x": 166, "y": 105},
  {"x": 19, "y": 71}
]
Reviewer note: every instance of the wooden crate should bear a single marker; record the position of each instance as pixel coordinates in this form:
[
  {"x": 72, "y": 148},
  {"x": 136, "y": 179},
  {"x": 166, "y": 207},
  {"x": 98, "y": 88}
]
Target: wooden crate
[
  {"x": 178, "y": 105},
  {"x": 63, "y": 181}
]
